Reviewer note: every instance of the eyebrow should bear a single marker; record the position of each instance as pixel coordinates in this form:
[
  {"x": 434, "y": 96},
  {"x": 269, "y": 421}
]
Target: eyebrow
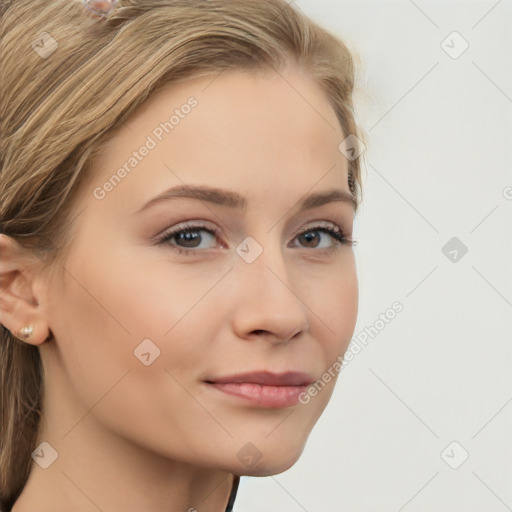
[{"x": 232, "y": 199}]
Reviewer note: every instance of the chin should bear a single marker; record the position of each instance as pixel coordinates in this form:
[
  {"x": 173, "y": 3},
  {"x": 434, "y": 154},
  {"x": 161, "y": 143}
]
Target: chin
[
  {"x": 268, "y": 460},
  {"x": 268, "y": 468}
]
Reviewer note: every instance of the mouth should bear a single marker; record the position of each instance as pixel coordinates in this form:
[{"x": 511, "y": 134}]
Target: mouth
[{"x": 264, "y": 389}]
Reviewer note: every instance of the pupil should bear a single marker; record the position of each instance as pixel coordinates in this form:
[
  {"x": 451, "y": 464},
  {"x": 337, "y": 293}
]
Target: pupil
[
  {"x": 189, "y": 236},
  {"x": 310, "y": 236}
]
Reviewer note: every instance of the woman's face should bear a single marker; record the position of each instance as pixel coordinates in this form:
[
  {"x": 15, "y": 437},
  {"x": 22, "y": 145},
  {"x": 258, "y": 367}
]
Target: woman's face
[{"x": 146, "y": 316}]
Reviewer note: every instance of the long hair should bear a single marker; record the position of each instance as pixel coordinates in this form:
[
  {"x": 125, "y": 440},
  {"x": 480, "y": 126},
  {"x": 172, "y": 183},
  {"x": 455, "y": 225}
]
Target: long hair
[{"x": 69, "y": 79}]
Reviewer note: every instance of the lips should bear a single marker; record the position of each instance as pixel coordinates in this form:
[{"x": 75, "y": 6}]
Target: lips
[
  {"x": 265, "y": 378},
  {"x": 262, "y": 388}
]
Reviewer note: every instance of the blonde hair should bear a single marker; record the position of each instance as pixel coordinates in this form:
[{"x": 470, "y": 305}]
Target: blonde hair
[{"x": 69, "y": 80}]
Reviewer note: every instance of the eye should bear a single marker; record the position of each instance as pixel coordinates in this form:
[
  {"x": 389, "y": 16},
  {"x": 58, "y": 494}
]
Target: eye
[
  {"x": 312, "y": 237},
  {"x": 188, "y": 238}
]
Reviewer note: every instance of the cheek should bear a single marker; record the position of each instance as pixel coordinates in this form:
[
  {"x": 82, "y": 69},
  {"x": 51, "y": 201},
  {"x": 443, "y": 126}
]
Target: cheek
[
  {"x": 335, "y": 302},
  {"x": 93, "y": 336},
  {"x": 334, "y": 306},
  {"x": 116, "y": 314},
  {"x": 101, "y": 316},
  {"x": 347, "y": 298},
  {"x": 155, "y": 294}
]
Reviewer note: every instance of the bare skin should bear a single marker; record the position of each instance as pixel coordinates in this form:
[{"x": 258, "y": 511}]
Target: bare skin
[{"x": 157, "y": 437}]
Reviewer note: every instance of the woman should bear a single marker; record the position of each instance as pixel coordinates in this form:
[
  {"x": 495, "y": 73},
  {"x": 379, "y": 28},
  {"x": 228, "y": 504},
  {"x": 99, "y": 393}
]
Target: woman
[{"x": 179, "y": 181}]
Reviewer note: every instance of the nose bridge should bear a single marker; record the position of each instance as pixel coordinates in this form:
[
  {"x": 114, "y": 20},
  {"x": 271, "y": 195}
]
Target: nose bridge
[{"x": 265, "y": 296}]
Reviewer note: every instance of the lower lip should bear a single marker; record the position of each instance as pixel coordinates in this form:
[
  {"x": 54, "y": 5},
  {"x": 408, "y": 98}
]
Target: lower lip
[{"x": 263, "y": 396}]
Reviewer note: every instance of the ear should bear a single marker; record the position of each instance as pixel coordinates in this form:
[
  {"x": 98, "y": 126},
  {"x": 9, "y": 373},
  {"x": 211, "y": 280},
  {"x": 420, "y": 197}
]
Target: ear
[{"x": 21, "y": 292}]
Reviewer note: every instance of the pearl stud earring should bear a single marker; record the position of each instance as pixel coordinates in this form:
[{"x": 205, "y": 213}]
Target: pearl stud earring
[{"x": 26, "y": 332}]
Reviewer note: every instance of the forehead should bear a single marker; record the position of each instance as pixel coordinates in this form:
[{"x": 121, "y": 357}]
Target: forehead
[{"x": 255, "y": 131}]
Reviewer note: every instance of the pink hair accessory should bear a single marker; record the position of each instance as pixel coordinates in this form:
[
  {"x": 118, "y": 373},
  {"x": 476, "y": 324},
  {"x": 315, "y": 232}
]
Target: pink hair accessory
[{"x": 101, "y": 8}]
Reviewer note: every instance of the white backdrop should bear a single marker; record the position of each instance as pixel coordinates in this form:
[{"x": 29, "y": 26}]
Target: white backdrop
[{"x": 421, "y": 419}]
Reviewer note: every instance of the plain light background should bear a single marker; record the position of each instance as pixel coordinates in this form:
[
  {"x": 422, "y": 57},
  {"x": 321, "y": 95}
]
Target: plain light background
[{"x": 421, "y": 419}]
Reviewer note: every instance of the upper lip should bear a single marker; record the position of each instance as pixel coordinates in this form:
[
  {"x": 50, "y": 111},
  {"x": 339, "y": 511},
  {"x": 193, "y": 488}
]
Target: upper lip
[{"x": 266, "y": 378}]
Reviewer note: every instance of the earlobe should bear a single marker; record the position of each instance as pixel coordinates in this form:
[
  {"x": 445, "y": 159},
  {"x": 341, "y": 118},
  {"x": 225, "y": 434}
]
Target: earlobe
[{"x": 20, "y": 310}]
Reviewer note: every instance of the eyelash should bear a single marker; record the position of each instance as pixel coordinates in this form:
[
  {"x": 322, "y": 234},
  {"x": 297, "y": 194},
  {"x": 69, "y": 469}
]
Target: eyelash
[{"x": 335, "y": 233}]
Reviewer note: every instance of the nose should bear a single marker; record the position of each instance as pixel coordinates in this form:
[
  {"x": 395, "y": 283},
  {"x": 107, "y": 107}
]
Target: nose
[{"x": 266, "y": 304}]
